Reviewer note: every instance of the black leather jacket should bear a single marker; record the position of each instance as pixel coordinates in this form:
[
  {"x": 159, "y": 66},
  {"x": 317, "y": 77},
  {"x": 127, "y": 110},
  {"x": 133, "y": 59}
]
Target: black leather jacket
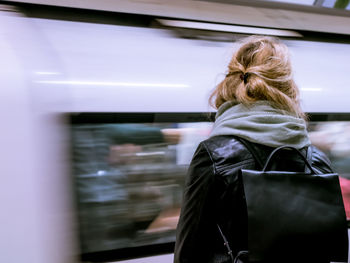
[{"x": 212, "y": 195}]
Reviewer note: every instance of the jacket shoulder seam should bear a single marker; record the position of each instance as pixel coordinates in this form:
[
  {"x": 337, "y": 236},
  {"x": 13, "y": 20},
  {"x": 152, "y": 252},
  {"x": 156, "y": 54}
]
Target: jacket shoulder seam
[
  {"x": 211, "y": 158},
  {"x": 240, "y": 164}
]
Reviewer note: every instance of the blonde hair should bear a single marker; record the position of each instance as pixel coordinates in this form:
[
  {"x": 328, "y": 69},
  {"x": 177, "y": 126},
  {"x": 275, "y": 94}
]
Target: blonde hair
[{"x": 260, "y": 70}]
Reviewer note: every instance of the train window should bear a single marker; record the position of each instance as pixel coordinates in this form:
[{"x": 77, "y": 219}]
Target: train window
[
  {"x": 333, "y": 138},
  {"x": 129, "y": 179},
  {"x": 331, "y": 134}
]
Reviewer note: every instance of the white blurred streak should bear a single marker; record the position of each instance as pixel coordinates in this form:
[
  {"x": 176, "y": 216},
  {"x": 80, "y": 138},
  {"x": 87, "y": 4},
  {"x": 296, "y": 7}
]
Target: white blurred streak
[
  {"x": 111, "y": 83},
  {"x": 36, "y": 217},
  {"x": 311, "y": 89},
  {"x": 96, "y": 54},
  {"x": 168, "y": 258},
  {"x": 46, "y": 73},
  {"x": 297, "y": 2},
  {"x": 323, "y": 88},
  {"x": 18, "y": 219}
]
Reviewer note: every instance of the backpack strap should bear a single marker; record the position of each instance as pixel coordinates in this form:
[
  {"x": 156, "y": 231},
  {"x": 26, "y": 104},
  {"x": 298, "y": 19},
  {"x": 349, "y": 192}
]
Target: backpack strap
[
  {"x": 309, "y": 157},
  {"x": 226, "y": 244},
  {"x": 251, "y": 149},
  {"x": 240, "y": 254},
  {"x": 275, "y": 151},
  {"x": 258, "y": 160}
]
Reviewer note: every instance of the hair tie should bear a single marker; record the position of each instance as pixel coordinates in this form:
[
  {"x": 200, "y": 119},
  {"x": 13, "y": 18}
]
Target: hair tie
[
  {"x": 229, "y": 74},
  {"x": 244, "y": 77}
]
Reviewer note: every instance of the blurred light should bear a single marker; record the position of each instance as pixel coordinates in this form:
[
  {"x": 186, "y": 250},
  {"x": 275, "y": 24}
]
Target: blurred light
[
  {"x": 296, "y": 2},
  {"x": 104, "y": 83},
  {"x": 100, "y": 173},
  {"x": 46, "y": 73},
  {"x": 311, "y": 89},
  {"x": 229, "y": 28},
  {"x": 150, "y": 154}
]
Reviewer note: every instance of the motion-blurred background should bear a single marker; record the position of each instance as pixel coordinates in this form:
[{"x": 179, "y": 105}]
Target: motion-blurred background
[{"x": 104, "y": 102}]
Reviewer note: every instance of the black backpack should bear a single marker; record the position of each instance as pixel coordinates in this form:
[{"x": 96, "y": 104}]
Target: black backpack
[{"x": 292, "y": 216}]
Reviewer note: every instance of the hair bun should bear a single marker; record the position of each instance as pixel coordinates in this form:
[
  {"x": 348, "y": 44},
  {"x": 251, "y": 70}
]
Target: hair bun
[{"x": 260, "y": 70}]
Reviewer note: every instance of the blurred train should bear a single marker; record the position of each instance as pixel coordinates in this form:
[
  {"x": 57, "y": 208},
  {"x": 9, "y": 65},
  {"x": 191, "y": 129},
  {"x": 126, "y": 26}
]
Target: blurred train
[{"x": 102, "y": 112}]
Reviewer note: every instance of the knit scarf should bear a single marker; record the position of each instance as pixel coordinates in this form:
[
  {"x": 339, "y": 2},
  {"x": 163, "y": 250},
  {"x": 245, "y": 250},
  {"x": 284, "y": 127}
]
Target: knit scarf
[{"x": 261, "y": 123}]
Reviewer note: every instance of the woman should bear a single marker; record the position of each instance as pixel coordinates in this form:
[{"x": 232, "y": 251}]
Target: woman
[{"x": 257, "y": 103}]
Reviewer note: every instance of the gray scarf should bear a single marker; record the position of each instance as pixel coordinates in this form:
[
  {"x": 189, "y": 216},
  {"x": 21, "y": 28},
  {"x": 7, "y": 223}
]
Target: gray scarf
[{"x": 261, "y": 123}]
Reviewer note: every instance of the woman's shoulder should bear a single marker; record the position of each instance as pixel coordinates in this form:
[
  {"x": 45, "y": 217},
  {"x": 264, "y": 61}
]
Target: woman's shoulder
[
  {"x": 226, "y": 149},
  {"x": 320, "y": 160}
]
